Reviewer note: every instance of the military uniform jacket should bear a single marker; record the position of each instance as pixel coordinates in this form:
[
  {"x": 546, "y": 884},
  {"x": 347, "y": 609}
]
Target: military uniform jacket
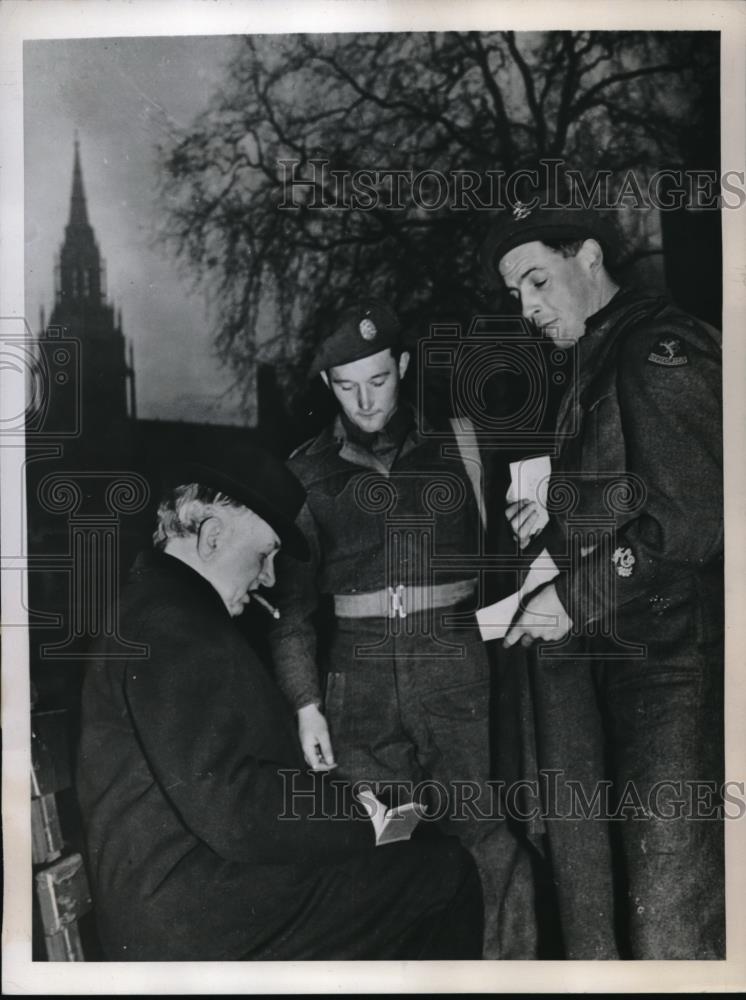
[
  {"x": 352, "y": 502},
  {"x": 640, "y": 448},
  {"x": 180, "y": 787}
]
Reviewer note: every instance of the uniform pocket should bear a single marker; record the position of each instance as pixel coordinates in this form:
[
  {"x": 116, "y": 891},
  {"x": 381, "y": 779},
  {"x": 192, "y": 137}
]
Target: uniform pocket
[{"x": 334, "y": 693}]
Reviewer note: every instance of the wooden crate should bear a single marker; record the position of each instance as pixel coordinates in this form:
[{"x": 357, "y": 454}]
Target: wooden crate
[
  {"x": 63, "y": 895},
  {"x": 50, "y": 752},
  {"x": 47, "y": 842}
]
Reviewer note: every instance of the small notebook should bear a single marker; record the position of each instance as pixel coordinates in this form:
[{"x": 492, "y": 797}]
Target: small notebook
[{"x": 399, "y": 821}]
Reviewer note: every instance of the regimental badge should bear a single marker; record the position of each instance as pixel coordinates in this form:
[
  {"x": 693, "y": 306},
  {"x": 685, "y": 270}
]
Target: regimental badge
[
  {"x": 624, "y": 561},
  {"x": 667, "y": 352},
  {"x": 521, "y": 211},
  {"x": 367, "y": 329}
]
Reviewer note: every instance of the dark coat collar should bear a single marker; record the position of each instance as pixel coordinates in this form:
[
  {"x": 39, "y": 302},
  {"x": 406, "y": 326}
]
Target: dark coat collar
[
  {"x": 181, "y": 578},
  {"x": 335, "y": 438}
]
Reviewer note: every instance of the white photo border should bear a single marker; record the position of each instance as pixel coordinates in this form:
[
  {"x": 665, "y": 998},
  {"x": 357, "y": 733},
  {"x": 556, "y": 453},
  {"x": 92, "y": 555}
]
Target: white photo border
[{"x": 100, "y": 18}]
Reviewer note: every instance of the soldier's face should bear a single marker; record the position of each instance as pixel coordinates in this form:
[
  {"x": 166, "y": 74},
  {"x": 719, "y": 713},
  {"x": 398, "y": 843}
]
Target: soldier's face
[
  {"x": 558, "y": 294},
  {"x": 368, "y": 390}
]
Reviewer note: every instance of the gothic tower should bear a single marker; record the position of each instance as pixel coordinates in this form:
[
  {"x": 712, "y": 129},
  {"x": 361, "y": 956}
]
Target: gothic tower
[
  {"x": 85, "y": 436},
  {"x": 105, "y": 380}
]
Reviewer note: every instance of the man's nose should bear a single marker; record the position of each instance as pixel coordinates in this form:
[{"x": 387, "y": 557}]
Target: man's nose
[
  {"x": 530, "y": 306},
  {"x": 363, "y": 398},
  {"x": 267, "y": 575}
]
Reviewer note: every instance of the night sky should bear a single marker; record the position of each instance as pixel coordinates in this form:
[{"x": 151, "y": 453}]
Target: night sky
[{"x": 123, "y": 96}]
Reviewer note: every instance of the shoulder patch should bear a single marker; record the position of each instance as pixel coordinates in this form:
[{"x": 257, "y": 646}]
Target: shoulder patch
[{"x": 668, "y": 352}]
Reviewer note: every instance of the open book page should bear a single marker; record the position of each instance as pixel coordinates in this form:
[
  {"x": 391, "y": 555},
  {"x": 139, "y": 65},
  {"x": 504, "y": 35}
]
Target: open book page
[{"x": 394, "y": 824}]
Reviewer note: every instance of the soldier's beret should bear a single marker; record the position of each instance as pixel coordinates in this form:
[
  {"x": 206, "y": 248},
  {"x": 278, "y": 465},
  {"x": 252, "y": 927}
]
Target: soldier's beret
[
  {"x": 543, "y": 222},
  {"x": 365, "y": 328}
]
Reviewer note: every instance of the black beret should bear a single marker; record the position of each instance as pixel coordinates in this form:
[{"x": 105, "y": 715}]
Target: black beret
[
  {"x": 543, "y": 223},
  {"x": 365, "y": 328}
]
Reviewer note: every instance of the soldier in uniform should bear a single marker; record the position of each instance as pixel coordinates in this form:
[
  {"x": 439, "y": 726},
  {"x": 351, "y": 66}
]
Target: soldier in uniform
[
  {"x": 391, "y": 508},
  {"x": 628, "y": 687}
]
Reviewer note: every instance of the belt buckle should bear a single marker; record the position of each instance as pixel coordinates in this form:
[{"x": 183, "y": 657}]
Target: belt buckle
[{"x": 398, "y": 602}]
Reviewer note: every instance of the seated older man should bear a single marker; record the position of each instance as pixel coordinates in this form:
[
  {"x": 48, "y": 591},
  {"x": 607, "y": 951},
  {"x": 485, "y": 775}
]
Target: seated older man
[{"x": 208, "y": 838}]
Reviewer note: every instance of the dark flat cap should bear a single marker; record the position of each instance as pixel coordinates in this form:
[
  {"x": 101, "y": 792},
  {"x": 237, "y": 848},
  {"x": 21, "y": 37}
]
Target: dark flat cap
[
  {"x": 368, "y": 326},
  {"x": 543, "y": 222},
  {"x": 260, "y": 482}
]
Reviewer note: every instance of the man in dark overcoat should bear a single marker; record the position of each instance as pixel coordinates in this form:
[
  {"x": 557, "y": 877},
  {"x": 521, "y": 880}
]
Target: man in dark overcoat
[
  {"x": 207, "y": 837},
  {"x": 628, "y": 685}
]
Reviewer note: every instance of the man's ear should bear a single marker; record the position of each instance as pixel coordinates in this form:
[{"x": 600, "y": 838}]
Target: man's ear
[
  {"x": 209, "y": 537},
  {"x": 592, "y": 255},
  {"x": 403, "y": 363},
  {"x": 324, "y": 379}
]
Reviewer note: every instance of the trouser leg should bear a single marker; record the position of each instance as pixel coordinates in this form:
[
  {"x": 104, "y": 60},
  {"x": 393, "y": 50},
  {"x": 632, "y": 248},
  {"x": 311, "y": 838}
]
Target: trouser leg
[
  {"x": 447, "y": 706},
  {"x": 666, "y": 723},
  {"x": 570, "y": 748},
  {"x": 362, "y": 710},
  {"x": 413, "y": 718},
  {"x": 417, "y": 900}
]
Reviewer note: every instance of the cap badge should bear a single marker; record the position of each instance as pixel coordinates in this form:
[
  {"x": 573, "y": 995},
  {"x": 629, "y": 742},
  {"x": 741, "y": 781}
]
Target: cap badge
[
  {"x": 521, "y": 211},
  {"x": 624, "y": 561},
  {"x": 367, "y": 329}
]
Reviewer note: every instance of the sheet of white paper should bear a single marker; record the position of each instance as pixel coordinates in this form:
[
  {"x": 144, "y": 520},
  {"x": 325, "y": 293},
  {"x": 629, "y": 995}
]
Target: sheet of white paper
[
  {"x": 542, "y": 570},
  {"x": 494, "y": 620},
  {"x": 529, "y": 479}
]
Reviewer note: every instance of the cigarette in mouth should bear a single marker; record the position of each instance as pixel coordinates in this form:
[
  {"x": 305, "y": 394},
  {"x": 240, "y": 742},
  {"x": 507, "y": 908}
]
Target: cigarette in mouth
[{"x": 266, "y": 605}]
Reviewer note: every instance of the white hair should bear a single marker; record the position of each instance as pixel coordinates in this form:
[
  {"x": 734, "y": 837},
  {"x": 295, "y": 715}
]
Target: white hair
[{"x": 182, "y": 512}]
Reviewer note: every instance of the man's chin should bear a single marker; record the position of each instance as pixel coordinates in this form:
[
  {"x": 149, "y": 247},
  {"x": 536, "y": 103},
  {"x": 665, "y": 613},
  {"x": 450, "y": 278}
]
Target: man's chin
[{"x": 371, "y": 426}]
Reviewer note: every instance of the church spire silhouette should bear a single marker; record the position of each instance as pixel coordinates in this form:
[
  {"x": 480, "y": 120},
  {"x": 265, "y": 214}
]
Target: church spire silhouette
[
  {"x": 78, "y": 207},
  {"x": 82, "y": 309},
  {"x": 80, "y": 269}
]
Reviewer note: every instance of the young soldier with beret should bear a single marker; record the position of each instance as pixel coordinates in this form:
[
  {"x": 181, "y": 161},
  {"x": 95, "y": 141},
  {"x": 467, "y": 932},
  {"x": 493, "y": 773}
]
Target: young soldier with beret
[{"x": 406, "y": 693}]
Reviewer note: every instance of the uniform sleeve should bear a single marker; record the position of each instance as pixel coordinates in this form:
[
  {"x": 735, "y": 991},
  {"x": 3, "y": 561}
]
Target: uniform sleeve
[
  {"x": 669, "y": 391},
  {"x": 293, "y": 638},
  {"x": 201, "y": 731}
]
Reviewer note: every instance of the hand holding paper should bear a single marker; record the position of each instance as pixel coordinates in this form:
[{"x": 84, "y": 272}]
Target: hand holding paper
[
  {"x": 527, "y": 497},
  {"x": 495, "y": 620},
  {"x": 543, "y": 617},
  {"x": 524, "y": 517}
]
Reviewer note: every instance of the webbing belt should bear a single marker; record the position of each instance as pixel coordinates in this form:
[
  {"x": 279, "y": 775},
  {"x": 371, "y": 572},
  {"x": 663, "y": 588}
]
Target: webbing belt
[{"x": 393, "y": 602}]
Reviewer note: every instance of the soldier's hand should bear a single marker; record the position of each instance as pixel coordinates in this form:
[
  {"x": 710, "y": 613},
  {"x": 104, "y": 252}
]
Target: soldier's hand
[
  {"x": 314, "y": 738},
  {"x": 543, "y": 617},
  {"x": 524, "y": 520}
]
